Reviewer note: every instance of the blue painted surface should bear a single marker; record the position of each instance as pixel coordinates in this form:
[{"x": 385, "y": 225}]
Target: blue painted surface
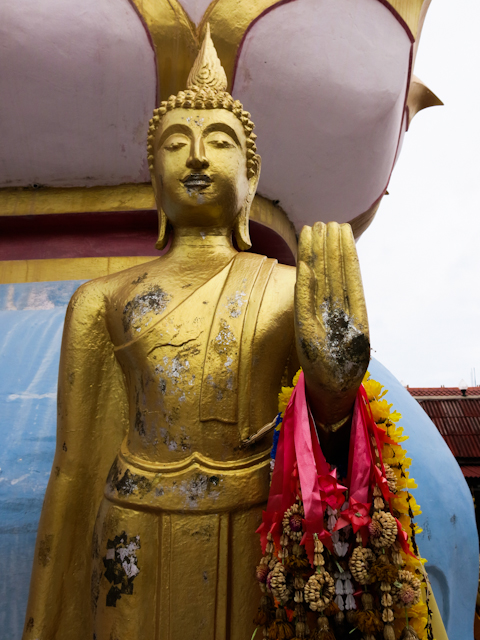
[{"x": 31, "y": 323}]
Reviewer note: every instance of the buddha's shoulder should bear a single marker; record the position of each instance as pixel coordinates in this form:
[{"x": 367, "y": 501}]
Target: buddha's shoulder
[
  {"x": 279, "y": 272},
  {"x": 285, "y": 273},
  {"x": 283, "y": 276},
  {"x": 104, "y": 288},
  {"x": 280, "y": 289}
]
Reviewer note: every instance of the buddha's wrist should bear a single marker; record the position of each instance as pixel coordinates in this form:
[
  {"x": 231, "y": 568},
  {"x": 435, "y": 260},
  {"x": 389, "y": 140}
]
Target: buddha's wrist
[
  {"x": 330, "y": 410},
  {"x": 335, "y": 426}
]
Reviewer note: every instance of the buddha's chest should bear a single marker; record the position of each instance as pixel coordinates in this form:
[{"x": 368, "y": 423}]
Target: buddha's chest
[
  {"x": 205, "y": 375},
  {"x": 164, "y": 372}
]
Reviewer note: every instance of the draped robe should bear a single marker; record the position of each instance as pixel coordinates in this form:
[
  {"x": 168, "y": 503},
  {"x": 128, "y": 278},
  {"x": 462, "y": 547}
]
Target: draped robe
[{"x": 148, "y": 525}]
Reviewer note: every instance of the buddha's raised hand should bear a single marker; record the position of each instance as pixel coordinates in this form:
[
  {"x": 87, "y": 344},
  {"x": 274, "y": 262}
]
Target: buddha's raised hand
[{"x": 331, "y": 324}]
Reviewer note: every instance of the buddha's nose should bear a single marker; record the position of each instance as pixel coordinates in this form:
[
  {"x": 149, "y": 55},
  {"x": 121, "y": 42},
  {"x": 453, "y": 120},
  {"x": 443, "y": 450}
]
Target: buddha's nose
[{"x": 197, "y": 158}]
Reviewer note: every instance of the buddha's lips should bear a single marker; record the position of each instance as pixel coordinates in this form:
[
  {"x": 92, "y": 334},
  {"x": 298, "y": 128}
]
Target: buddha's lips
[{"x": 197, "y": 181}]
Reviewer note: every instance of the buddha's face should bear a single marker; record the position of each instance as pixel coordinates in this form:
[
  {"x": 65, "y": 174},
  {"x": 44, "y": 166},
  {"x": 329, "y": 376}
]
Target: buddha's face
[{"x": 200, "y": 176}]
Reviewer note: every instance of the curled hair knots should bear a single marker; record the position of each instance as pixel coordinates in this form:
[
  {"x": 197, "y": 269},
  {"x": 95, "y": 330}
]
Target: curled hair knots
[{"x": 179, "y": 99}]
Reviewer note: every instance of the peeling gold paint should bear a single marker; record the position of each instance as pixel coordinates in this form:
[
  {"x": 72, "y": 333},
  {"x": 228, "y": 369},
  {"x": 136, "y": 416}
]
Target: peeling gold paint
[{"x": 44, "y": 549}]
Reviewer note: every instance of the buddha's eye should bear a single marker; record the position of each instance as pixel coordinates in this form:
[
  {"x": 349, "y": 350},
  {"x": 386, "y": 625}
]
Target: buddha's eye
[
  {"x": 174, "y": 146},
  {"x": 220, "y": 141},
  {"x": 174, "y": 143}
]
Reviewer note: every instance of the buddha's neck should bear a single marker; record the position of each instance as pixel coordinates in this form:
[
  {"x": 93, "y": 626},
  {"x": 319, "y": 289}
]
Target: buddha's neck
[{"x": 200, "y": 244}]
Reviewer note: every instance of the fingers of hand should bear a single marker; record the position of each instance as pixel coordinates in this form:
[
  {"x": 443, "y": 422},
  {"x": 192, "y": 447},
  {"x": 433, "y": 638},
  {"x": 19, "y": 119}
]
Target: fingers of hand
[
  {"x": 328, "y": 268},
  {"x": 353, "y": 279},
  {"x": 305, "y": 295},
  {"x": 334, "y": 266},
  {"x": 319, "y": 234},
  {"x": 305, "y": 246}
]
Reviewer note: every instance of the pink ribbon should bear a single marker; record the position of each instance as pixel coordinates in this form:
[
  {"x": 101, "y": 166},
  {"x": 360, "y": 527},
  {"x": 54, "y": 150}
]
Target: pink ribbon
[
  {"x": 298, "y": 451},
  {"x": 301, "y": 469},
  {"x": 360, "y": 457}
]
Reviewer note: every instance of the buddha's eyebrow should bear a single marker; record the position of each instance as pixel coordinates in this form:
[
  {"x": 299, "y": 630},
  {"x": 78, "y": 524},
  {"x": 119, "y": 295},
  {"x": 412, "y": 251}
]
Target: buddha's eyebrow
[
  {"x": 221, "y": 126},
  {"x": 174, "y": 128}
]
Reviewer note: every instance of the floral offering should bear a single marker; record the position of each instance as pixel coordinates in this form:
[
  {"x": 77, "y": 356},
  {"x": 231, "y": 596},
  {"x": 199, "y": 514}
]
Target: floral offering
[{"x": 339, "y": 554}]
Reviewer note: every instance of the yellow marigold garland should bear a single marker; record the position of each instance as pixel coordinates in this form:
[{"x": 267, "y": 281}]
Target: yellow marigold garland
[
  {"x": 285, "y": 394},
  {"x": 404, "y": 504}
]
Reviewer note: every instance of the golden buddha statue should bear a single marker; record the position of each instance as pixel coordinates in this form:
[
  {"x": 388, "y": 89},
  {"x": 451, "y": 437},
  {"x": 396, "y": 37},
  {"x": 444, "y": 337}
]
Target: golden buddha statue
[{"x": 169, "y": 372}]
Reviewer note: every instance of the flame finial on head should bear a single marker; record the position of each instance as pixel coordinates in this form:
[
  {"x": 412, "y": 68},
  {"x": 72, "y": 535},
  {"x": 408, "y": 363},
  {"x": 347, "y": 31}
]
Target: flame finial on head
[{"x": 207, "y": 71}]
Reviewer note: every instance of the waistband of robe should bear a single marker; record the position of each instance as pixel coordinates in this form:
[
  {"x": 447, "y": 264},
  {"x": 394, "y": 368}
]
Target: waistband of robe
[{"x": 196, "y": 484}]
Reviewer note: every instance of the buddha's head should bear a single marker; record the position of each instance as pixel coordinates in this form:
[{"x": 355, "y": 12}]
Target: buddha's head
[{"x": 202, "y": 155}]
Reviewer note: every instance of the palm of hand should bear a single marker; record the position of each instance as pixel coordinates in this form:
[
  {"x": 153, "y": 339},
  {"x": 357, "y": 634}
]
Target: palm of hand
[{"x": 331, "y": 323}]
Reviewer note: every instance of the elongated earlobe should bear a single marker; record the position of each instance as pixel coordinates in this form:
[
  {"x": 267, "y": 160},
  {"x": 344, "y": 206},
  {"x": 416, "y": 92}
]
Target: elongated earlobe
[
  {"x": 162, "y": 230},
  {"x": 241, "y": 228}
]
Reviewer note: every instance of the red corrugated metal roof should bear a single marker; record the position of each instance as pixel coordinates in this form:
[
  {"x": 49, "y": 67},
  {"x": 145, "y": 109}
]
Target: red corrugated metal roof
[
  {"x": 442, "y": 391},
  {"x": 471, "y": 471},
  {"x": 458, "y": 420}
]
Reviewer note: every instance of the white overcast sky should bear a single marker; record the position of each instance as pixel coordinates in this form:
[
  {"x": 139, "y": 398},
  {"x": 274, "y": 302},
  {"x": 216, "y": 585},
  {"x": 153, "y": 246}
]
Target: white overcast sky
[{"x": 420, "y": 258}]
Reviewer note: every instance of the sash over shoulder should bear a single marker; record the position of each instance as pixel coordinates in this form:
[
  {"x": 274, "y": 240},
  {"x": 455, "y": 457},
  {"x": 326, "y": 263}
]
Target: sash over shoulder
[{"x": 236, "y": 293}]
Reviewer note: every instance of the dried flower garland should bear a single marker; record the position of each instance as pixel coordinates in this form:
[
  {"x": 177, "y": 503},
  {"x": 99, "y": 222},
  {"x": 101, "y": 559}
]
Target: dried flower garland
[
  {"x": 319, "y": 591},
  {"x": 292, "y": 522},
  {"x": 383, "y": 529},
  {"x": 360, "y": 563},
  {"x": 364, "y": 574}
]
